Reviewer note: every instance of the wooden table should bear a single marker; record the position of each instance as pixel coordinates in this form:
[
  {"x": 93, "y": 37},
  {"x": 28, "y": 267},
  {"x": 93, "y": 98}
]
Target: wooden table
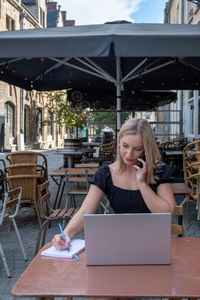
[
  {"x": 71, "y": 157},
  {"x": 60, "y": 174},
  {"x": 60, "y": 182},
  {"x": 47, "y": 278}
]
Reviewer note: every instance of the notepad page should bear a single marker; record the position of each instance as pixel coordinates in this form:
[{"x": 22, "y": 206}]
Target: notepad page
[{"x": 77, "y": 245}]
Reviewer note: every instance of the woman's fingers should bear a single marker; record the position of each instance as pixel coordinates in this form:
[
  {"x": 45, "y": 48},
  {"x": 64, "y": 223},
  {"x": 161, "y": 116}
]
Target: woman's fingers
[{"x": 59, "y": 243}]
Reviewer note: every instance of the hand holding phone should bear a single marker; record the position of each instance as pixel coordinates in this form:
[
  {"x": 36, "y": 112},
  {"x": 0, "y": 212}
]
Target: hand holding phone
[{"x": 140, "y": 164}]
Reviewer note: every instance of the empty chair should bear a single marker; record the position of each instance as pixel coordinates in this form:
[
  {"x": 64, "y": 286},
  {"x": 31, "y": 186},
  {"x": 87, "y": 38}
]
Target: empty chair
[
  {"x": 22, "y": 169},
  {"x": 177, "y": 228},
  {"x": 24, "y": 157},
  {"x": 52, "y": 215},
  {"x": 77, "y": 182},
  {"x": 78, "y": 185},
  {"x": 29, "y": 189},
  {"x": 106, "y": 153},
  {"x": 10, "y": 208}
]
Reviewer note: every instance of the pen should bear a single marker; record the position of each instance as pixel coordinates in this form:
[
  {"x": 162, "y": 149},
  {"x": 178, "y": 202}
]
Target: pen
[
  {"x": 76, "y": 257},
  {"x": 63, "y": 235}
]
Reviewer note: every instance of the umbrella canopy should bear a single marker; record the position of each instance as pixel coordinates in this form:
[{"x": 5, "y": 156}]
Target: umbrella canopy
[
  {"x": 118, "y": 57},
  {"x": 132, "y": 56},
  {"x": 134, "y": 100}
]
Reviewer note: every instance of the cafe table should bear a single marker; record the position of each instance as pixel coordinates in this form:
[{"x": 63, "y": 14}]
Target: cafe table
[
  {"x": 47, "y": 277},
  {"x": 57, "y": 176},
  {"x": 72, "y": 156}
]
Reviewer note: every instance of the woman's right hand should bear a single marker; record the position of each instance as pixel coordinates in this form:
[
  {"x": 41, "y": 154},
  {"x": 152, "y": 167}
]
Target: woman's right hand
[{"x": 59, "y": 243}]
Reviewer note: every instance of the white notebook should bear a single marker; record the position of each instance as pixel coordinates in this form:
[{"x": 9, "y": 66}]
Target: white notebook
[{"x": 77, "y": 245}]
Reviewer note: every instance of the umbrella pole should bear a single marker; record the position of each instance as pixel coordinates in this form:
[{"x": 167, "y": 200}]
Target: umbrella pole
[{"x": 118, "y": 94}]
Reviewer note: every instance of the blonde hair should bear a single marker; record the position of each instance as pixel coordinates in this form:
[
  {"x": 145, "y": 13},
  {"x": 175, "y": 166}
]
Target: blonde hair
[{"x": 152, "y": 153}]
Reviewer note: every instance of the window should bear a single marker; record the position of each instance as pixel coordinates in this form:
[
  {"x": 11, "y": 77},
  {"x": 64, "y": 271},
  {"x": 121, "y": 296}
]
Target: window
[
  {"x": 10, "y": 92},
  {"x": 10, "y": 23},
  {"x": 9, "y": 117}
]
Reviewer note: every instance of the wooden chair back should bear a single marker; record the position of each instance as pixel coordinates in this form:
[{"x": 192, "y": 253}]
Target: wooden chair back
[
  {"x": 87, "y": 165},
  {"x": 77, "y": 180},
  {"x": 47, "y": 213},
  {"x": 177, "y": 228}
]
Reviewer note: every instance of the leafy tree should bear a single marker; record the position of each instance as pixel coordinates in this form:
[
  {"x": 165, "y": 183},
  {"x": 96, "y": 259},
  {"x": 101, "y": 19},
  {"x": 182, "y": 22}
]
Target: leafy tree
[{"x": 62, "y": 113}]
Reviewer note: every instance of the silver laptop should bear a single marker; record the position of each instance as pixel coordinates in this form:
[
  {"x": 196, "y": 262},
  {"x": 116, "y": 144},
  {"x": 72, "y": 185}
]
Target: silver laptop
[{"x": 128, "y": 239}]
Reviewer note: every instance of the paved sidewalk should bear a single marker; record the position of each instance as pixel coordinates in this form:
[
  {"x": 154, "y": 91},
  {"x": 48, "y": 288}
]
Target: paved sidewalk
[{"x": 28, "y": 227}]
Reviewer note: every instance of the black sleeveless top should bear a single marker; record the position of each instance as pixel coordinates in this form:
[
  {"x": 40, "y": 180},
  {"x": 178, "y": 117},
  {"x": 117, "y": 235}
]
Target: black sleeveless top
[{"x": 127, "y": 201}]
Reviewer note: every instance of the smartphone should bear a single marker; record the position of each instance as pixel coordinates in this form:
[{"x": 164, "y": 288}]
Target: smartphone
[{"x": 139, "y": 162}]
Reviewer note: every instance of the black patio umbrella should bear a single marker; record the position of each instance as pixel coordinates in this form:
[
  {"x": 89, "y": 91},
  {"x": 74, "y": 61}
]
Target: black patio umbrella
[
  {"x": 119, "y": 57},
  {"x": 133, "y": 100}
]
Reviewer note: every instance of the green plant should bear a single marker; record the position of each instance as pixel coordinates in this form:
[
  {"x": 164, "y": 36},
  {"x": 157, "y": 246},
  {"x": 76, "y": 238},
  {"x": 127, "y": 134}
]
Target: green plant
[{"x": 62, "y": 113}]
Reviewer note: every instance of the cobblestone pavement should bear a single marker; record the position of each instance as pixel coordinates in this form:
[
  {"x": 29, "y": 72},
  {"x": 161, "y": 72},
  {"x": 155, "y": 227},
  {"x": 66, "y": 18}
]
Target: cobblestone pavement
[{"x": 28, "y": 227}]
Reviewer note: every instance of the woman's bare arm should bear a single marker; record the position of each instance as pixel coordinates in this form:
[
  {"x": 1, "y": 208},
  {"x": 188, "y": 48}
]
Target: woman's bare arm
[
  {"x": 163, "y": 201},
  {"x": 75, "y": 225}
]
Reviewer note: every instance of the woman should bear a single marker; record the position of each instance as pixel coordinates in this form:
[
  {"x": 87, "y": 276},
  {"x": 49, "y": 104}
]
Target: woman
[{"x": 129, "y": 187}]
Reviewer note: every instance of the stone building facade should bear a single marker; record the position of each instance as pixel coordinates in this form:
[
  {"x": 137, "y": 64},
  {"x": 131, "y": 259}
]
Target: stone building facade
[
  {"x": 22, "y": 112},
  {"x": 186, "y": 12}
]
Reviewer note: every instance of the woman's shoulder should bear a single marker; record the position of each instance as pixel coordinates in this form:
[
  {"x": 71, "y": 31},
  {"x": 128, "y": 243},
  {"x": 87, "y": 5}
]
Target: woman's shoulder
[{"x": 102, "y": 172}]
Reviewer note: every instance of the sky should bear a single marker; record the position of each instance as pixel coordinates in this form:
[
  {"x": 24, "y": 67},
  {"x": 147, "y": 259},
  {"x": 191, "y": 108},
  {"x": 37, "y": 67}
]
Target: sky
[{"x": 86, "y": 12}]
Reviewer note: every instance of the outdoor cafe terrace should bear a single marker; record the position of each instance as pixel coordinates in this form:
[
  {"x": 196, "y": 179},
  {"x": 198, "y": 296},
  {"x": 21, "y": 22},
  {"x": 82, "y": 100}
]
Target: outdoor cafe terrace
[{"x": 27, "y": 219}]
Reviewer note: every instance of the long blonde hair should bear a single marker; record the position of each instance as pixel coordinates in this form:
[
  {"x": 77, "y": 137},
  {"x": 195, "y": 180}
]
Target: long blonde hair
[{"x": 152, "y": 153}]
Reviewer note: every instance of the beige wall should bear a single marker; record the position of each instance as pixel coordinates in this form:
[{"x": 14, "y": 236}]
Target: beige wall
[
  {"x": 191, "y": 12},
  {"x": 10, "y": 12}
]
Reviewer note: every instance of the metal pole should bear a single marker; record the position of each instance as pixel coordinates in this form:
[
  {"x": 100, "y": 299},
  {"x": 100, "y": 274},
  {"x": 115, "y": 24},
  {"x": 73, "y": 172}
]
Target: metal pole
[
  {"x": 118, "y": 93},
  {"x": 21, "y": 135},
  {"x": 181, "y": 92}
]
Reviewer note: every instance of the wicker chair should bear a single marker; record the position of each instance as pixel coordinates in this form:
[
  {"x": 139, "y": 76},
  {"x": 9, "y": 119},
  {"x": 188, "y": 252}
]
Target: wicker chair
[
  {"x": 29, "y": 157},
  {"x": 29, "y": 187},
  {"x": 106, "y": 153},
  {"x": 191, "y": 168},
  {"x": 44, "y": 206}
]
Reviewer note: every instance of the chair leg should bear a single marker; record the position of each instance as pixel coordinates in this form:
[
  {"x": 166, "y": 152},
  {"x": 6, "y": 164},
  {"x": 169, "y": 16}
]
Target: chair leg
[
  {"x": 19, "y": 239},
  {"x": 188, "y": 210},
  {"x": 74, "y": 201},
  {"x": 38, "y": 214},
  {"x": 4, "y": 261},
  {"x": 44, "y": 233},
  {"x": 39, "y": 236}
]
